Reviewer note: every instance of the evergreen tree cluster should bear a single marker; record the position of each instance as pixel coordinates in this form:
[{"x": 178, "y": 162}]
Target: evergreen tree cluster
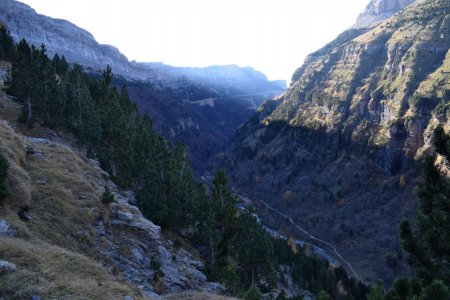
[
  {"x": 6, "y": 45},
  {"x": 239, "y": 252},
  {"x": 4, "y": 165},
  {"x": 110, "y": 126},
  {"x": 428, "y": 244},
  {"x": 317, "y": 275}
]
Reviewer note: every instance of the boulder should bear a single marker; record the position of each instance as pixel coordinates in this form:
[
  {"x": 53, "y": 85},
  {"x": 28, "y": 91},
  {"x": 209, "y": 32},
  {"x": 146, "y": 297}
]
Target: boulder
[
  {"x": 6, "y": 229},
  {"x": 6, "y": 267},
  {"x": 124, "y": 216}
]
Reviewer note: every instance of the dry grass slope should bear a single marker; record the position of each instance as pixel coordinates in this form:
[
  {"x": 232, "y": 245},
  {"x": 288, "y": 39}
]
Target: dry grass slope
[{"x": 53, "y": 258}]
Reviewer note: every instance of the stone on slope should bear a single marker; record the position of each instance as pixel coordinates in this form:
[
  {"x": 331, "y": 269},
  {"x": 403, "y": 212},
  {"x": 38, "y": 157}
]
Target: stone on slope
[
  {"x": 6, "y": 229},
  {"x": 6, "y": 267}
]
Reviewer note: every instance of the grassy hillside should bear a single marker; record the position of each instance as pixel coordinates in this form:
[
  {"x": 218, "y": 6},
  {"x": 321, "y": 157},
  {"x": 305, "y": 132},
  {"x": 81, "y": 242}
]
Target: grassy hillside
[{"x": 47, "y": 251}]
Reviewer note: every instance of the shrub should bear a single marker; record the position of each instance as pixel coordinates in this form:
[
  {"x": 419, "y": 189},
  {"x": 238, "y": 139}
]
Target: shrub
[
  {"x": 107, "y": 196},
  {"x": 253, "y": 293},
  {"x": 288, "y": 197}
]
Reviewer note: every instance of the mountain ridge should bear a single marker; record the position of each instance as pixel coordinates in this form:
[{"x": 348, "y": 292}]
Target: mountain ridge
[
  {"x": 347, "y": 136},
  {"x": 79, "y": 45}
]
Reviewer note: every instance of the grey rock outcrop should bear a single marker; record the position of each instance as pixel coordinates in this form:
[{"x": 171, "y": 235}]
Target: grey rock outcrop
[
  {"x": 143, "y": 256},
  {"x": 6, "y": 229},
  {"x": 6, "y": 267},
  {"x": 379, "y": 10},
  {"x": 59, "y": 36}
]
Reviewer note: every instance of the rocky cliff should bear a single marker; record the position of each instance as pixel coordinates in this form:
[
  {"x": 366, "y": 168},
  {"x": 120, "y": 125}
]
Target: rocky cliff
[
  {"x": 380, "y": 10},
  {"x": 65, "y": 242},
  {"x": 79, "y": 46},
  {"x": 338, "y": 152}
]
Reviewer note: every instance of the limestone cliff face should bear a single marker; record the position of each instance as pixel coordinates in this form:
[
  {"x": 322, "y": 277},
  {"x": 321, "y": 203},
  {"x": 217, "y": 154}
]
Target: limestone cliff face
[
  {"x": 60, "y": 36},
  {"x": 79, "y": 46},
  {"x": 352, "y": 125},
  {"x": 380, "y": 10}
]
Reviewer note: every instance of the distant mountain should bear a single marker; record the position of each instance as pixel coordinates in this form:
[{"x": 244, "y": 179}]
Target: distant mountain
[
  {"x": 344, "y": 141},
  {"x": 174, "y": 96},
  {"x": 79, "y": 46},
  {"x": 380, "y": 10}
]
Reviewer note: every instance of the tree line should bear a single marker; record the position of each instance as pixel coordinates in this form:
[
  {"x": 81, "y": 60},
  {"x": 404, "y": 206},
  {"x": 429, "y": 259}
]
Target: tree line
[{"x": 427, "y": 244}]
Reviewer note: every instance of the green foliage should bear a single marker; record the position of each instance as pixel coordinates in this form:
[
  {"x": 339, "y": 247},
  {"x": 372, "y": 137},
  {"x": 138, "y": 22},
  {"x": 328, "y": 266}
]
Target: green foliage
[
  {"x": 253, "y": 293},
  {"x": 107, "y": 196},
  {"x": 441, "y": 142},
  {"x": 253, "y": 249},
  {"x": 315, "y": 274},
  {"x": 437, "y": 290},
  {"x": 157, "y": 272},
  {"x": 322, "y": 295},
  {"x": 239, "y": 252},
  {"x": 376, "y": 291},
  {"x": 6, "y": 45},
  {"x": 428, "y": 247},
  {"x": 224, "y": 204},
  {"x": 4, "y": 165}
]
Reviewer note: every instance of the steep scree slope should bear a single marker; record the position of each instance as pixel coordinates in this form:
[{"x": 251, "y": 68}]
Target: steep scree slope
[{"x": 338, "y": 151}]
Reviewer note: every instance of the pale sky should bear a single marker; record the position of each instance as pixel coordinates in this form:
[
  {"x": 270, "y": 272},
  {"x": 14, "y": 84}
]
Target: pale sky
[{"x": 273, "y": 36}]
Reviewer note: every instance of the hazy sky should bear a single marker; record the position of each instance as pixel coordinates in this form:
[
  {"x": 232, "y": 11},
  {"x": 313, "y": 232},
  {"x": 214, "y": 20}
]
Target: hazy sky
[{"x": 273, "y": 36}]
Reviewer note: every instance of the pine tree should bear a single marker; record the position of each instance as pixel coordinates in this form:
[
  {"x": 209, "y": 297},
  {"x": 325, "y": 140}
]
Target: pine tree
[
  {"x": 4, "y": 165},
  {"x": 19, "y": 80},
  {"x": 253, "y": 293},
  {"x": 429, "y": 247},
  {"x": 60, "y": 64},
  {"x": 376, "y": 291},
  {"x": 225, "y": 204},
  {"x": 254, "y": 249},
  {"x": 6, "y": 45},
  {"x": 441, "y": 142},
  {"x": 107, "y": 196},
  {"x": 322, "y": 295}
]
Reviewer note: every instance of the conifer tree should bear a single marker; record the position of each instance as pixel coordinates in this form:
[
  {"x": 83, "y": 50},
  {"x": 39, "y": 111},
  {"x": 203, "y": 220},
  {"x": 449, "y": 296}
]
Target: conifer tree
[
  {"x": 254, "y": 249},
  {"x": 428, "y": 247},
  {"x": 6, "y": 45},
  {"x": 225, "y": 204},
  {"x": 253, "y": 293},
  {"x": 107, "y": 196},
  {"x": 4, "y": 165},
  {"x": 19, "y": 80}
]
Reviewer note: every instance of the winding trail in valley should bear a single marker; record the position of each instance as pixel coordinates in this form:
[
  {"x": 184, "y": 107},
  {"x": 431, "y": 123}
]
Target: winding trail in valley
[{"x": 311, "y": 236}]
